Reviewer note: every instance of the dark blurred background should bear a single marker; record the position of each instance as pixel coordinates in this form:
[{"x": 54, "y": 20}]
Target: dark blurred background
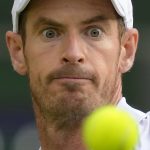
[{"x": 17, "y": 125}]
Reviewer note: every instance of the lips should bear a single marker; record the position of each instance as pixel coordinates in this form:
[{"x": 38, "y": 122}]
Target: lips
[
  {"x": 73, "y": 77},
  {"x": 71, "y": 72}
]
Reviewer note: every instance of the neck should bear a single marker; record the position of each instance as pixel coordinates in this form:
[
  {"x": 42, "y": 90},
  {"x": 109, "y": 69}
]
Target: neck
[{"x": 56, "y": 139}]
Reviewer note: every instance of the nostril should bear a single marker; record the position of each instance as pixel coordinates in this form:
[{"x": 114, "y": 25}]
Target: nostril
[
  {"x": 65, "y": 60},
  {"x": 81, "y": 60},
  {"x": 72, "y": 61}
]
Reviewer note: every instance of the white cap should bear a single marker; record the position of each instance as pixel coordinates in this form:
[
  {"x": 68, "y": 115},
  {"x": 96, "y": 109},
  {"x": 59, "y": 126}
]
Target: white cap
[{"x": 123, "y": 8}]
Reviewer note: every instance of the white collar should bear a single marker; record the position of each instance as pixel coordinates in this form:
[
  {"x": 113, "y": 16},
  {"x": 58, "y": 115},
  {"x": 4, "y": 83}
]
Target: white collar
[{"x": 137, "y": 114}]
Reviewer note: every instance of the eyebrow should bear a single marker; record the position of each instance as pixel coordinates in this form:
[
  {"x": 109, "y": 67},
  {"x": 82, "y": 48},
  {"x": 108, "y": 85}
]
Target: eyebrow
[
  {"x": 48, "y": 21},
  {"x": 99, "y": 18}
]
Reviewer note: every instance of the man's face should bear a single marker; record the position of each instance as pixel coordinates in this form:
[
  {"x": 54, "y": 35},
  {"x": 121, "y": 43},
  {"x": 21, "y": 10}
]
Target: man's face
[{"x": 72, "y": 53}]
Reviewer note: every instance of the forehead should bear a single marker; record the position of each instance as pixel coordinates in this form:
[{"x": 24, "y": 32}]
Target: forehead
[{"x": 61, "y": 6}]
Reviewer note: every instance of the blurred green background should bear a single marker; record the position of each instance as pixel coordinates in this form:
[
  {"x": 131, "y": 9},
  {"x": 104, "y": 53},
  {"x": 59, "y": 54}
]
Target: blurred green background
[{"x": 17, "y": 126}]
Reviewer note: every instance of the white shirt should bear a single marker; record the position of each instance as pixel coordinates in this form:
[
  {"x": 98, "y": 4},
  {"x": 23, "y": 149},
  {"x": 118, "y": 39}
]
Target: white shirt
[{"x": 143, "y": 120}]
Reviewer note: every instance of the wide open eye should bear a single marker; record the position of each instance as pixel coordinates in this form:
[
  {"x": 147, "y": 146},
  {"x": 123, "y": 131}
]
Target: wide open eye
[
  {"x": 94, "y": 32},
  {"x": 50, "y": 33}
]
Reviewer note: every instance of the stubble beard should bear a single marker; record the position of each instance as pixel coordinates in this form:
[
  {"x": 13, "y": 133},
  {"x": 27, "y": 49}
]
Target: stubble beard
[{"x": 66, "y": 110}]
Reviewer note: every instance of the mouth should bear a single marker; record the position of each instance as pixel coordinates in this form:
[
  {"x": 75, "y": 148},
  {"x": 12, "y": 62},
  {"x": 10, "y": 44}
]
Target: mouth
[
  {"x": 72, "y": 79},
  {"x": 69, "y": 74},
  {"x": 71, "y": 83}
]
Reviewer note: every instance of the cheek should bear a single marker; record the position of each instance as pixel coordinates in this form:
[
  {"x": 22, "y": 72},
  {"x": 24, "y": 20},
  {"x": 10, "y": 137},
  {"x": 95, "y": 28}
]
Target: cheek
[
  {"x": 104, "y": 57},
  {"x": 104, "y": 60},
  {"x": 107, "y": 49},
  {"x": 41, "y": 58}
]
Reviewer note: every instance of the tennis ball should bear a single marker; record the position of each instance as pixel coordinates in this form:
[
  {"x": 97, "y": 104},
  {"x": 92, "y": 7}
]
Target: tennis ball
[{"x": 110, "y": 128}]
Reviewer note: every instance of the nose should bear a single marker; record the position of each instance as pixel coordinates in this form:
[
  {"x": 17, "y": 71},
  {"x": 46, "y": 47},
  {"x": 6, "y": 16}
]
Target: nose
[{"x": 73, "y": 51}]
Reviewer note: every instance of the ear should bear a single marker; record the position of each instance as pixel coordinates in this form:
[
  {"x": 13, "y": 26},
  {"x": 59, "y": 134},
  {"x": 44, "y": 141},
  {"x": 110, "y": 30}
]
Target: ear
[
  {"x": 129, "y": 44},
  {"x": 15, "y": 47}
]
